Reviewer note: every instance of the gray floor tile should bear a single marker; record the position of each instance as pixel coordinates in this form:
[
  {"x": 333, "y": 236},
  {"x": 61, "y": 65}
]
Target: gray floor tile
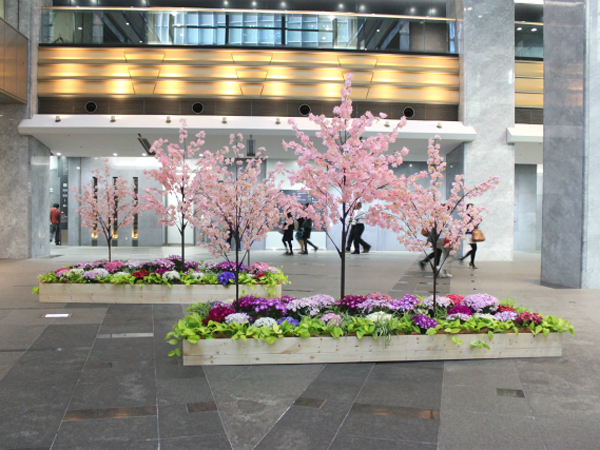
[
  {"x": 570, "y": 431},
  {"x": 129, "y": 349},
  {"x": 19, "y": 337},
  {"x": 115, "y": 388},
  {"x": 466, "y": 431},
  {"x": 66, "y": 336},
  {"x": 175, "y": 420},
  {"x": 391, "y": 427},
  {"x": 482, "y": 399},
  {"x": 175, "y": 391},
  {"x": 207, "y": 442},
  {"x": 121, "y": 445},
  {"x": 351, "y": 442},
  {"x": 106, "y": 432}
]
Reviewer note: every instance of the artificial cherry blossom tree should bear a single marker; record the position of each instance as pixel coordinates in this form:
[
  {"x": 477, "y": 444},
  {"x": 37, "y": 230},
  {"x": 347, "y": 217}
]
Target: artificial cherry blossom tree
[
  {"x": 176, "y": 176},
  {"x": 233, "y": 202},
  {"x": 350, "y": 169},
  {"x": 412, "y": 210},
  {"x": 104, "y": 205}
]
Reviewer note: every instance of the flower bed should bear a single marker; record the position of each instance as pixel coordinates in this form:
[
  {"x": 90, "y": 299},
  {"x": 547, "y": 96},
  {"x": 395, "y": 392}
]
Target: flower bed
[
  {"x": 165, "y": 280},
  {"x": 376, "y": 327}
]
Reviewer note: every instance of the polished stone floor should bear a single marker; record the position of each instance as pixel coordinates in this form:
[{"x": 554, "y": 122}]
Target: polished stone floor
[{"x": 101, "y": 378}]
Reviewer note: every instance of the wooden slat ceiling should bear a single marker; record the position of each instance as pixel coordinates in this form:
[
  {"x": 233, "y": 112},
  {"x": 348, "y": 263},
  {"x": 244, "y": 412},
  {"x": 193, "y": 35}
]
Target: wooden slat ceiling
[
  {"x": 263, "y": 74},
  {"x": 245, "y": 74}
]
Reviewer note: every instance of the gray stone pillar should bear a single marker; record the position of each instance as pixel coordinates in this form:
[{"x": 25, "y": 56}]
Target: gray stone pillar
[
  {"x": 487, "y": 103},
  {"x": 24, "y": 161},
  {"x": 571, "y": 203}
]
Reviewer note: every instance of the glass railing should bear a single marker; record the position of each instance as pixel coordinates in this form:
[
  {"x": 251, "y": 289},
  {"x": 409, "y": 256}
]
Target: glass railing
[
  {"x": 529, "y": 40},
  {"x": 251, "y": 29}
]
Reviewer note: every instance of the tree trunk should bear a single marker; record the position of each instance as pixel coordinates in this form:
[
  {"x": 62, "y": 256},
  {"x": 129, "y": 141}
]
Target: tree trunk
[
  {"x": 182, "y": 245},
  {"x": 237, "y": 268},
  {"x": 109, "y": 242},
  {"x": 343, "y": 256}
]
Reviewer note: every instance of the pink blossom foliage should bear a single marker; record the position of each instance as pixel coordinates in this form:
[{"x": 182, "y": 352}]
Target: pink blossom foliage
[
  {"x": 105, "y": 207},
  {"x": 231, "y": 198},
  {"x": 351, "y": 169},
  {"x": 176, "y": 176}
]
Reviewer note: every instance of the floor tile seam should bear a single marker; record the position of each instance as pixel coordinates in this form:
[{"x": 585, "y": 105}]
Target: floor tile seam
[
  {"x": 537, "y": 426},
  {"x": 349, "y": 409},
  {"x": 218, "y": 411},
  {"x": 155, "y": 381},
  {"x": 288, "y": 408},
  {"x": 400, "y": 441},
  {"x": 441, "y": 405},
  {"x": 74, "y": 389}
]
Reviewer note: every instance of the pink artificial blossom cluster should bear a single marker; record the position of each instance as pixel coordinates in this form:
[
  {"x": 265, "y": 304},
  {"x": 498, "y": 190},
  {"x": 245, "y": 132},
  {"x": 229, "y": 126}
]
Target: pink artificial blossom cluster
[{"x": 105, "y": 207}]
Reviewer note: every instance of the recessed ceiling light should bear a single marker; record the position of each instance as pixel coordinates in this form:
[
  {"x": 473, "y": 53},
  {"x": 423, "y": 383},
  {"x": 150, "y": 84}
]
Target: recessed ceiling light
[
  {"x": 80, "y": 28},
  {"x": 534, "y": 30},
  {"x": 144, "y": 154},
  {"x": 114, "y": 154},
  {"x": 58, "y": 154},
  {"x": 519, "y": 28},
  {"x": 126, "y": 23}
]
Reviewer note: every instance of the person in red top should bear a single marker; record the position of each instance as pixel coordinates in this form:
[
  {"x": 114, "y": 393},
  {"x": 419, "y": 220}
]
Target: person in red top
[{"x": 55, "y": 224}]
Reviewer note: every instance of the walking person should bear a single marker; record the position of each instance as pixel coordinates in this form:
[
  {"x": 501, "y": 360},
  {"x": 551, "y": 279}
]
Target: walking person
[
  {"x": 350, "y": 237},
  {"x": 306, "y": 230},
  {"x": 473, "y": 251},
  {"x": 55, "y": 224},
  {"x": 436, "y": 253},
  {"x": 288, "y": 236},
  {"x": 359, "y": 228},
  {"x": 299, "y": 230}
]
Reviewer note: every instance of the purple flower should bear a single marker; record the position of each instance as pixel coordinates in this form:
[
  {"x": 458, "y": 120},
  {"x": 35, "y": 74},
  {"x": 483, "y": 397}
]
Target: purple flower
[
  {"x": 191, "y": 265},
  {"x": 424, "y": 322},
  {"x": 350, "y": 302},
  {"x": 175, "y": 258},
  {"x": 289, "y": 320},
  {"x": 132, "y": 263},
  {"x": 482, "y": 303},
  {"x": 229, "y": 266},
  {"x": 331, "y": 319},
  {"x": 310, "y": 305},
  {"x": 505, "y": 316},
  {"x": 94, "y": 274},
  {"x": 262, "y": 307},
  {"x": 160, "y": 271},
  {"x": 61, "y": 272},
  {"x": 406, "y": 303},
  {"x": 84, "y": 265},
  {"x": 460, "y": 309},
  {"x": 164, "y": 263},
  {"x": 225, "y": 277}
]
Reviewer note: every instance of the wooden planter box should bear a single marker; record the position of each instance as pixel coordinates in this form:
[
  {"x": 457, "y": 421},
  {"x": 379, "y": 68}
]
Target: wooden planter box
[
  {"x": 145, "y": 293},
  {"x": 318, "y": 350}
]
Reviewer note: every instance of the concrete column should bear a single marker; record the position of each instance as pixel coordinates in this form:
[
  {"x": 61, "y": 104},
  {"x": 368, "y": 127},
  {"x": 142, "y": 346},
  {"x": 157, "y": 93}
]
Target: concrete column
[
  {"x": 571, "y": 203},
  {"x": 24, "y": 161},
  {"x": 487, "y": 102}
]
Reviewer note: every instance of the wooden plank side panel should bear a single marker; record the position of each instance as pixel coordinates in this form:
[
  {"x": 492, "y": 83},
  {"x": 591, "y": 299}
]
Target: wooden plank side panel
[
  {"x": 127, "y": 294},
  {"x": 350, "y": 349}
]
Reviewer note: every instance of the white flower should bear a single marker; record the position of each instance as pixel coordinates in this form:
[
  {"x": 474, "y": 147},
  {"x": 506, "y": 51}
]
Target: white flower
[
  {"x": 273, "y": 269},
  {"x": 121, "y": 273},
  {"x": 197, "y": 275},
  {"x": 237, "y": 317},
  {"x": 379, "y": 316},
  {"x": 78, "y": 272},
  {"x": 268, "y": 321},
  {"x": 171, "y": 275},
  {"x": 101, "y": 273},
  {"x": 484, "y": 316},
  {"x": 444, "y": 302}
]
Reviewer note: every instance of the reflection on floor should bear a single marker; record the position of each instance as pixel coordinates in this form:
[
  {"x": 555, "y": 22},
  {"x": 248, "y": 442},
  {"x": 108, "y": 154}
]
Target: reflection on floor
[{"x": 100, "y": 378}]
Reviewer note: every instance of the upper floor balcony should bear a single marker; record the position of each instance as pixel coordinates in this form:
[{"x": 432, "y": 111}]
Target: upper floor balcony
[{"x": 260, "y": 29}]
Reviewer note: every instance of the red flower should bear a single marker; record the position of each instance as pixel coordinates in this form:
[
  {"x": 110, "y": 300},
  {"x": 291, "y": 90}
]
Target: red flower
[
  {"x": 525, "y": 318},
  {"x": 456, "y": 299},
  {"x": 218, "y": 314},
  {"x": 259, "y": 274},
  {"x": 503, "y": 308},
  {"x": 140, "y": 274}
]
